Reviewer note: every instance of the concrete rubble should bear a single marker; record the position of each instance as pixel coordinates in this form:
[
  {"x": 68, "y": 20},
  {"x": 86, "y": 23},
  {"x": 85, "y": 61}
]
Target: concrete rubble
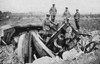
[{"x": 8, "y": 55}]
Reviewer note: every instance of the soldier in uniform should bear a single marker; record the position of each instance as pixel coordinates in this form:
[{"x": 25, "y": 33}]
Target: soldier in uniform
[
  {"x": 53, "y": 12},
  {"x": 46, "y": 23},
  {"x": 66, "y": 15},
  {"x": 46, "y": 27},
  {"x": 77, "y": 18}
]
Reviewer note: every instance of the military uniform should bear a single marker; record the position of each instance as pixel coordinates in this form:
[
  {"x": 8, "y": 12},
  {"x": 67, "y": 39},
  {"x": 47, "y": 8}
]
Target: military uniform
[
  {"x": 47, "y": 26},
  {"x": 66, "y": 15},
  {"x": 53, "y": 12},
  {"x": 77, "y": 18}
]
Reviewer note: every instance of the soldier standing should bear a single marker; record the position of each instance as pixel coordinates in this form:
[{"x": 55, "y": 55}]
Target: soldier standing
[
  {"x": 53, "y": 12},
  {"x": 77, "y": 18},
  {"x": 66, "y": 15}
]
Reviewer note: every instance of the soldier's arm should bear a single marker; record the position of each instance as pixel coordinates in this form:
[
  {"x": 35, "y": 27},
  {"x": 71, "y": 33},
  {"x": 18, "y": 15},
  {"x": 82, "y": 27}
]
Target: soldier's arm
[
  {"x": 74, "y": 15},
  {"x": 79, "y": 15},
  {"x": 44, "y": 24},
  {"x": 63, "y": 14},
  {"x": 56, "y": 10},
  {"x": 69, "y": 14},
  {"x": 52, "y": 23},
  {"x": 50, "y": 10}
]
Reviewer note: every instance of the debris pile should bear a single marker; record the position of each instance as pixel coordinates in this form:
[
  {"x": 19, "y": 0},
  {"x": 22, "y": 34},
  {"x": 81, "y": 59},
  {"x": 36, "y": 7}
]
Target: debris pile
[
  {"x": 74, "y": 57},
  {"x": 8, "y": 56},
  {"x": 30, "y": 43},
  {"x": 90, "y": 58}
]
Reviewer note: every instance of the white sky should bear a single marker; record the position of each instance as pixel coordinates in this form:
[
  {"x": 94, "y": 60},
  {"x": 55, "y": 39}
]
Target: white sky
[{"x": 85, "y": 6}]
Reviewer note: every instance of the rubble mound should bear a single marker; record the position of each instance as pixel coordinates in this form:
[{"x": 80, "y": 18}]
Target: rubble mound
[
  {"x": 8, "y": 56},
  {"x": 89, "y": 58}
]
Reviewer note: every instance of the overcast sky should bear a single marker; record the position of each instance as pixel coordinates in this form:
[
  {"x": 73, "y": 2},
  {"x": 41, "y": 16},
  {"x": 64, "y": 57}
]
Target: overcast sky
[{"x": 85, "y": 6}]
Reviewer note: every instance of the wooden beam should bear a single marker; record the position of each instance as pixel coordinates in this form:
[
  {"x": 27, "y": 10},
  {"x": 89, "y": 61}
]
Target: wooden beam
[
  {"x": 40, "y": 46},
  {"x": 20, "y": 47}
]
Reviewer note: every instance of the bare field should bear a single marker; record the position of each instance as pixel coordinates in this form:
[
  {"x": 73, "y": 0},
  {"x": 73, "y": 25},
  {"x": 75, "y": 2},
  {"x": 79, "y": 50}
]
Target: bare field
[{"x": 87, "y": 23}]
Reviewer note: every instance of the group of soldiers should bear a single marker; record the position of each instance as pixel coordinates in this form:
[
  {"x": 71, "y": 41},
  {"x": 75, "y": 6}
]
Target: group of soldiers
[{"x": 66, "y": 16}]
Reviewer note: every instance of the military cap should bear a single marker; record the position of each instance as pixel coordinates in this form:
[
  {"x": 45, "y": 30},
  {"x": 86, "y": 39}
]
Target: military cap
[
  {"x": 66, "y": 7},
  {"x": 77, "y": 10},
  {"x": 47, "y": 15},
  {"x": 53, "y": 4}
]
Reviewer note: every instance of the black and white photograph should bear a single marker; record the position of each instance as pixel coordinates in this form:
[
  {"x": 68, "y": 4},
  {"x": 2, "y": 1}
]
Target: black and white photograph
[{"x": 49, "y": 31}]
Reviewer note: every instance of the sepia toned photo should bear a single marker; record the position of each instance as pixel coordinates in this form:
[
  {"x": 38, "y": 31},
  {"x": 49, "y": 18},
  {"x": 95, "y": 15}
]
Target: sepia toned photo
[{"x": 49, "y": 32}]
